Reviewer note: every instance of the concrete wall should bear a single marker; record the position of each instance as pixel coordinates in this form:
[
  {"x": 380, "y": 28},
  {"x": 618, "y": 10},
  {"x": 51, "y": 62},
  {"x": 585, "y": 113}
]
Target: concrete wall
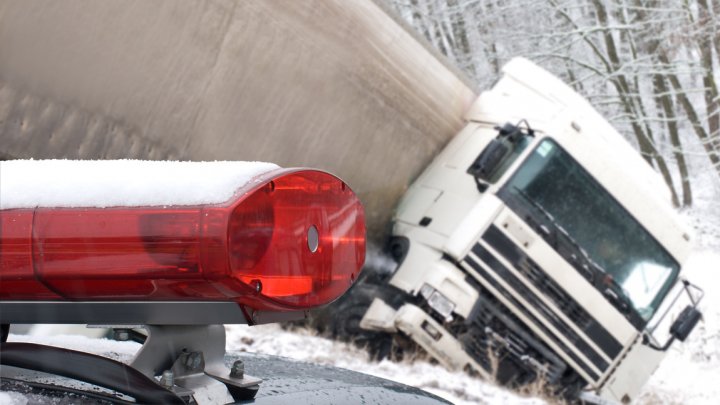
[{"x": 332, "y": 84}]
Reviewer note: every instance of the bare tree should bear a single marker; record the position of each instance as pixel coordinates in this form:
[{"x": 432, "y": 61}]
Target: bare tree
[{"x": 649, "y": 66}]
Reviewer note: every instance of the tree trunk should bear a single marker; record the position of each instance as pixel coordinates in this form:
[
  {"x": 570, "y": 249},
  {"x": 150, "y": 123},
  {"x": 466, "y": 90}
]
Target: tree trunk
[
  {"x": 692, "y": 115},
  {"x": 665, "y": 102},
  {"x": 419, "y": 22},
  {"x": 635, "y": 91},
  {"x": 459, "y": 33},
  {"x": 647, "y": 148},
  {"x": 714, "y": 7},
  {"x": 711, "y": 92}
]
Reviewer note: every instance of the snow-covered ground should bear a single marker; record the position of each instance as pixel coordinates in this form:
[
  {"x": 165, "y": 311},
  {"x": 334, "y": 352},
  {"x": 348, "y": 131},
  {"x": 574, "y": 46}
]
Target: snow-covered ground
[
  {"x": 304, "y": 345},
  {"x": 688, "y": 375}
]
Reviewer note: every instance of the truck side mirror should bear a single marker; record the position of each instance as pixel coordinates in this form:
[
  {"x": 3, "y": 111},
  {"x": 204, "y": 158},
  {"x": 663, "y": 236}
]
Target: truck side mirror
[
  {"x": 487, "y": 162},
  {"x": 499, "y": 154},
  {"x": 681, "y": 328}
]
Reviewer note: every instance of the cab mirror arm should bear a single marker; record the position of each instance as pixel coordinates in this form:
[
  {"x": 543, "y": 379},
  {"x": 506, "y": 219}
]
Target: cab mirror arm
[{"x": 686, "y": 321}]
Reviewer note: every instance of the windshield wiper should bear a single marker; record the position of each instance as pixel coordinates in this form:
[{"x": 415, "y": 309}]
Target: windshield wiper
[{"x": 595, "y": 273}]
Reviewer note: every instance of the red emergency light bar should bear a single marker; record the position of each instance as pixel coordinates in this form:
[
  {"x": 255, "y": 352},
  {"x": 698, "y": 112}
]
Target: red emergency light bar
[{"x": 292, "y": 240}]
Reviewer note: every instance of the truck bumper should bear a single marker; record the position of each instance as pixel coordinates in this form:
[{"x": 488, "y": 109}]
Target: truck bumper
[{"x": 424, "y": 330}]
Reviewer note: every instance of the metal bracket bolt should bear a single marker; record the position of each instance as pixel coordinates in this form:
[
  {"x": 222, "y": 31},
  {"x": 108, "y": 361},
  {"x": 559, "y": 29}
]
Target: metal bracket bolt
[
  {"x": 167, "y": 379},
  {"x": 238, "y": 369},
  {"x": 197, "y": 355},
  {"x": 193, "y": 361},
  {"x": 121, "y": 335}
]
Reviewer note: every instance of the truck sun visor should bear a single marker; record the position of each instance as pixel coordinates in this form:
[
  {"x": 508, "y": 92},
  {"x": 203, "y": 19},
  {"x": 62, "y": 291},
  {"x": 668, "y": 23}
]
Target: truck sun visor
[{"x": 287, "y": 240}]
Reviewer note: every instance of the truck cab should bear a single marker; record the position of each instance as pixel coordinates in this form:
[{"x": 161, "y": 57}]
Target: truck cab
[{"x": 539, "y": 245}]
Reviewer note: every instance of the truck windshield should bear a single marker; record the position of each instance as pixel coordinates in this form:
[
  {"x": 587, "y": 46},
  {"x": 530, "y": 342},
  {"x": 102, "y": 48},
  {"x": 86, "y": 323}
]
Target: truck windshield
[{"x": 552, "y": 189}]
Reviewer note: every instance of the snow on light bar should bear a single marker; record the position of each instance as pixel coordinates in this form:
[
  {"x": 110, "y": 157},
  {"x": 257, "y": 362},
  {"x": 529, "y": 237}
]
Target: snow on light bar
[{"x": 246, "y": 232}]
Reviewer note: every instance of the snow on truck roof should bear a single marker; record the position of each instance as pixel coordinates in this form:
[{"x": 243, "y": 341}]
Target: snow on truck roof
[{"x": 111, "y": 183}]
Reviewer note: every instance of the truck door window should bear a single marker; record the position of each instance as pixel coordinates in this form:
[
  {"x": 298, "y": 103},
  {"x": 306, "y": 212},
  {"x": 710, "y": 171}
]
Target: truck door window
[{"x": 553, "y": 192}]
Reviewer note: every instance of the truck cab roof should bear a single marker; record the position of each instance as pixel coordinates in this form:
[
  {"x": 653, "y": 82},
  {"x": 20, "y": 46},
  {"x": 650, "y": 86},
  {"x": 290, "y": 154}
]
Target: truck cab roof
[{"x": 554, "y": 110}]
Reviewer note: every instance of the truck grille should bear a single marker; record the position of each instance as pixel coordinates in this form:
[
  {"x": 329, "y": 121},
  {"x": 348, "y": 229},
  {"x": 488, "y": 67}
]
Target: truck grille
[
  {"x": 520, "y": 356},
  {"x": 562, "y": 300},
  {"x": 505, "y": 274}
]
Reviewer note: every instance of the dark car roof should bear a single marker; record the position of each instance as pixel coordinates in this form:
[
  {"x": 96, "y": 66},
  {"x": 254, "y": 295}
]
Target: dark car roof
[
  {"x": 289, "y": 381},
  {"x": 285, "y": 381}
]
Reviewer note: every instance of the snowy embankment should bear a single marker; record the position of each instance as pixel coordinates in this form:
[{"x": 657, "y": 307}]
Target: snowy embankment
[
  {"x": 689, "y": 374},
  {"x": 303, "y": 345}
]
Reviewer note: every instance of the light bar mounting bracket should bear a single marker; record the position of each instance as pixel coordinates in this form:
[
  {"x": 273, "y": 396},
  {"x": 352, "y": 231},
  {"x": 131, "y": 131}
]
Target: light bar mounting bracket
[{"x": 191, "y": 361}]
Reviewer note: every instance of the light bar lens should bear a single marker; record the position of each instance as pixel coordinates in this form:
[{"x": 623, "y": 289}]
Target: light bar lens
[{"x": 256, "y": 250}]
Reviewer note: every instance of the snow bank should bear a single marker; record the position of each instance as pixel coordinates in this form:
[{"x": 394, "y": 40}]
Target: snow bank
[
  {"x": 13, "y": 398},
  {"x": 109, "y": 183},
  {"x": 120, "y": 351}
]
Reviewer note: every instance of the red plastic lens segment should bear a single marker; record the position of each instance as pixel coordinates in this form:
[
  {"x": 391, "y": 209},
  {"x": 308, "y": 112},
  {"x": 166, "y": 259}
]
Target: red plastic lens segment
[{"x": 294, "y": 240}]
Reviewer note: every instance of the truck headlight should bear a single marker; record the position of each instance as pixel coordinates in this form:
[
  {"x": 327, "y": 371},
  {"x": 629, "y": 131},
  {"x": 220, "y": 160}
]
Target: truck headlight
[{"x": 441, "y": 304}]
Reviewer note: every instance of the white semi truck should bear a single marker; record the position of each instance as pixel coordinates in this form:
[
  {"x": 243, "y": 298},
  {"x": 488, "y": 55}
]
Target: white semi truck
[{"x": 539, "y": 244}]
